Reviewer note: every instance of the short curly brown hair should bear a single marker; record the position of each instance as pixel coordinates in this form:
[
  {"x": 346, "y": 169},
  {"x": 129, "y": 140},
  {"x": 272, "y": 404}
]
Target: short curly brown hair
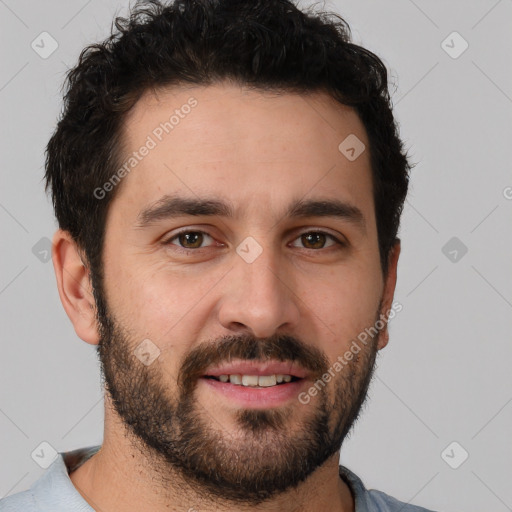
[{"x": 266, "y": 44}]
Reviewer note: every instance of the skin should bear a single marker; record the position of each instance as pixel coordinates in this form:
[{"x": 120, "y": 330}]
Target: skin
[{"x": 260, "y": 151}]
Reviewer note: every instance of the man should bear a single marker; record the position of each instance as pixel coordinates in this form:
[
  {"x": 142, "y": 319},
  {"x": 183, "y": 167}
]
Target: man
[{"x": 228, "y": 182}]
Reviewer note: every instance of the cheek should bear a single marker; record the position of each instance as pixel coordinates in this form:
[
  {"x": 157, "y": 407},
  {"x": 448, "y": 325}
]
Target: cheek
[
  {"x": 138, "y": 296},
  {"x": 164, "y": 305},
  {"x": 344, "y": 304}
]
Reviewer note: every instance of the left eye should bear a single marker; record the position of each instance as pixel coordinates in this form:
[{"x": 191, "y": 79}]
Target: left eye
[{"x": 317, "y": 239}]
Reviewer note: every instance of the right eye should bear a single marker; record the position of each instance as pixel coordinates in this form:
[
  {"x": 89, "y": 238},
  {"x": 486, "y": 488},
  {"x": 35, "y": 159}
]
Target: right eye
[{"x": 189, "y": 239}]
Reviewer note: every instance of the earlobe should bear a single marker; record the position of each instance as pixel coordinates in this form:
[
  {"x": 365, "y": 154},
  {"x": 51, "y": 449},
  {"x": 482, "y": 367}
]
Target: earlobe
[
  {"x": 74, "y": 285},
  {"x": 389, "y": 290}
]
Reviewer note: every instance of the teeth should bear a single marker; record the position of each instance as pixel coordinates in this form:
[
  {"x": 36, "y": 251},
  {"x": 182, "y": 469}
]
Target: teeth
[
  {"x": 263, "y": 381},
  {"x": 249, "y": 380},
  {"x": 267, "y": 380},
  {"x": 235, "y": 379}
]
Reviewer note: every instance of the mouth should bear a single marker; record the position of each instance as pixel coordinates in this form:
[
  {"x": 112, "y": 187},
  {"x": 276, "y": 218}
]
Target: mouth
[
  {"x": 255, "y": 384},
  {"x": 255, "y": 381}
]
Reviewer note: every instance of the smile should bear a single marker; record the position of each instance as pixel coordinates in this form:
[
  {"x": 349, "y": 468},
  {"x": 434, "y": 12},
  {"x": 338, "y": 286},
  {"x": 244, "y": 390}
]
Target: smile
[{"x": 255, "y": 381}]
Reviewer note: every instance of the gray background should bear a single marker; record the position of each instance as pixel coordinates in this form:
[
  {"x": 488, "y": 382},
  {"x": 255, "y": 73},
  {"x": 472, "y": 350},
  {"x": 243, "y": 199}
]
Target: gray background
[{"x": 444, "y": 377}]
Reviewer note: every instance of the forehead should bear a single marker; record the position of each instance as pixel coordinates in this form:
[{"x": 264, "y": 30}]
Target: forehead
[{"x": 240, "y": 144}]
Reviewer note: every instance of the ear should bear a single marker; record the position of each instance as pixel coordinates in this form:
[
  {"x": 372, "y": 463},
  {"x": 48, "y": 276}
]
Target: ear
[
  {"x": 74, "y": 285},
  {"x": 389, "y": 291}
]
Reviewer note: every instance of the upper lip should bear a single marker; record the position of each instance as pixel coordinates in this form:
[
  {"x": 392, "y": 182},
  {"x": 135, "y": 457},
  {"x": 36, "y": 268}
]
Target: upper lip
[{"x": 258, "y": 368}]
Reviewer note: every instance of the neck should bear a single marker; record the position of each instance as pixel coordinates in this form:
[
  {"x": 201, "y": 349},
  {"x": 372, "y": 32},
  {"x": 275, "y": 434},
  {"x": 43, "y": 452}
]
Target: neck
[{"x": 122, "y": 477}]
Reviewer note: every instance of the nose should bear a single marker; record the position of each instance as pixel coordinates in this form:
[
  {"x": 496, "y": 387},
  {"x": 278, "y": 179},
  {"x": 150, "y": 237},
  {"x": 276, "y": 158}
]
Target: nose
[{"x": 259, "y": 297}]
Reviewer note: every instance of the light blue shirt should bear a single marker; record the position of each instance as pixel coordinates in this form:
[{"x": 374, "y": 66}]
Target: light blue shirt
[{"x": 54, "y": 491}]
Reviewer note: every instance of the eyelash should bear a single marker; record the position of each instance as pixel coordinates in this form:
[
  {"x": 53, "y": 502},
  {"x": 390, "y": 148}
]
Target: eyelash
[{"x": 188, "y": 250}]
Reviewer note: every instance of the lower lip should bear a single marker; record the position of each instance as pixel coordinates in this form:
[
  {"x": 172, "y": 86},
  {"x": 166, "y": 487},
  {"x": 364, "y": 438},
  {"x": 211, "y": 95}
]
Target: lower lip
[{"x": 257, "y": 398}]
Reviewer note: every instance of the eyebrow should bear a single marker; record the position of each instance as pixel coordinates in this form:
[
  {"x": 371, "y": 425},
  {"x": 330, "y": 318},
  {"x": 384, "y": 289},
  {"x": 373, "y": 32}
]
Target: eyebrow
[{"x": 169, "y": 207}]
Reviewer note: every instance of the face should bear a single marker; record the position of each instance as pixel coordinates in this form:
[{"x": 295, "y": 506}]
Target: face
[{"x": 242, "y": 242}]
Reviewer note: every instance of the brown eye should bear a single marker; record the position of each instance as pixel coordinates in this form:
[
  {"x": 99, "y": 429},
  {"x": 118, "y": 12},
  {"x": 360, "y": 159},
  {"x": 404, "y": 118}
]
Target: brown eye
[
  {"x": 313, "y": 240},
  {"x": 317, "y": 240},
  {"x": 189, "y": 239}
]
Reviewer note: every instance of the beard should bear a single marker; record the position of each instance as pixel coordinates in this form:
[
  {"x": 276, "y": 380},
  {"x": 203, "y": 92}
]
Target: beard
[{"x": 269, "y": 453}]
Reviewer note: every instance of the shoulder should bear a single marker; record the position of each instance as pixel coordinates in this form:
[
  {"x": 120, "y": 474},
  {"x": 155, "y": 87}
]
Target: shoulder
[
  {"x": 372, "y": 500},
  {"x": 53, "y": 490},
  {"x": 384, "y": 503},
  {"x": 20, "y": 502}
]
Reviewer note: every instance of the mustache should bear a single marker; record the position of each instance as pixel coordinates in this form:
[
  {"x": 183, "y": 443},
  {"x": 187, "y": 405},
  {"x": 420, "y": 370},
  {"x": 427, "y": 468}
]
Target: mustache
[{"x": 224, "y": 350}]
